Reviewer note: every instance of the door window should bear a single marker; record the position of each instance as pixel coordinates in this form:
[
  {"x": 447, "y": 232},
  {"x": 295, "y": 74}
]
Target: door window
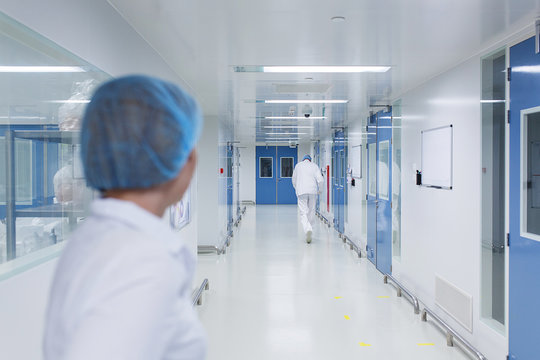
[
  {"x": 384, "y": 172},
  {"x": 266, "y": 167},
  {"x": 530, "y": 165},
  {"x": 287, "y": 167},
  {"x": 372, "y": 149}
]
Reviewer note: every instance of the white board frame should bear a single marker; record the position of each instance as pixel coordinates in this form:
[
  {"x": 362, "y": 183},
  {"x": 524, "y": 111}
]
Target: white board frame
[
  {"x": 357, "y": 171},
  {"x": 440, "y": 185}
]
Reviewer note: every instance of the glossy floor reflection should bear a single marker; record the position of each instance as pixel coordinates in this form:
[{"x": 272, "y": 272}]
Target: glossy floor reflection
[{"x": 272, "y": 296}]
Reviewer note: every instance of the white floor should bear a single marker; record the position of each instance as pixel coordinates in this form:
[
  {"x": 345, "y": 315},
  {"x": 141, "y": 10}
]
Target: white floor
[{"x": 272, "y": 296}]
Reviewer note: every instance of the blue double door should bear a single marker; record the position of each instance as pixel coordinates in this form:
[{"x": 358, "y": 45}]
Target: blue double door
[
  {"x": 339, "y": 180},
  {"x": 524, "y": 236},
  {"x": 274, "y": 169},
  {"x": 379, "y": 191}
]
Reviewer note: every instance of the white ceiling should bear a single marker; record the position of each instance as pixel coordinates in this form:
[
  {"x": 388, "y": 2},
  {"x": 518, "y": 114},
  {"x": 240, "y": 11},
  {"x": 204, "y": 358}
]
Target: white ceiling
[{"x": 203, "y": 40}]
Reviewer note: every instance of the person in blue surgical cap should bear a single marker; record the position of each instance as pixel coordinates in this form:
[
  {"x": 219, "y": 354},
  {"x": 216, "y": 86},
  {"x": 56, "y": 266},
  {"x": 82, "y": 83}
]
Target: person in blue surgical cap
[
  {"x": 307, "y": 182},
  {"x": 123, "y": 283}
]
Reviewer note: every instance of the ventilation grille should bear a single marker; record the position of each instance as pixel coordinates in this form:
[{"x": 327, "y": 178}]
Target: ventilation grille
[{"x": 456, "y": 302}]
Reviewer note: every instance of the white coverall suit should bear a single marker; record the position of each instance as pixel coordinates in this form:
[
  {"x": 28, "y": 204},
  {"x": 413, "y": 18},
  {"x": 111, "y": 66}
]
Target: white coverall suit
[{"x": 308, "y": 182}]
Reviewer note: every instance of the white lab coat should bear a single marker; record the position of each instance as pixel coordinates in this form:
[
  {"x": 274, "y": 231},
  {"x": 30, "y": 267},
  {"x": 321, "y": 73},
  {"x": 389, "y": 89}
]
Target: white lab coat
[
  {"x": 122, "y": 291},
  {"x": 307, "y": 178}
]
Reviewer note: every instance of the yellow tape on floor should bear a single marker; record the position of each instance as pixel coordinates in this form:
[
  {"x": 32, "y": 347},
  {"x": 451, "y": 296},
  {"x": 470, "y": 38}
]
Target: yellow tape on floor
[
  {"x": 426, "y": 344},
  {"x": 363, "y": 344},
  {"x": 347, "y": 317}
]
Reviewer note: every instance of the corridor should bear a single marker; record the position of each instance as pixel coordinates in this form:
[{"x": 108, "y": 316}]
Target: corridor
[{"x": 272, "y": 296}]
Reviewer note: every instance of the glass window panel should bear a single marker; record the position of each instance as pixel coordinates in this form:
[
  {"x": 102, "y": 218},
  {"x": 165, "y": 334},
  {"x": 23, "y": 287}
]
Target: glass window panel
[
  {"x": 266, "y": 167},
  {"x": 287, "y": 167},
  {"x": 229, "y": 167},
  {"x": 396, "y": 180},
  {"x": 49, "y": 195},
  {"x": 531, "y": 164},
  {"x": 384, "y": 170},
  {"x": 493, "y": 271},
  {"x": 372, "y": 183}
]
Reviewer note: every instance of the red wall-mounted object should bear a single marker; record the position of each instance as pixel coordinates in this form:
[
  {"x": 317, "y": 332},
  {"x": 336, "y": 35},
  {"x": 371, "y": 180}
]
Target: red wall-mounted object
[{"x": 221, "y": 171}]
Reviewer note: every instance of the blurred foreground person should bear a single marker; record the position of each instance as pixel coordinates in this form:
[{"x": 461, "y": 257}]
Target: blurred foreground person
[
  {"x": 123, "y": 283},
  {"x": 308, "y": 182}
]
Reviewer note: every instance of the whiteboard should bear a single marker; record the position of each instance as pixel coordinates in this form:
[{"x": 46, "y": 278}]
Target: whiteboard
[
  {"x": 356, "y": 161},
  {"x": 437, "y": 157}
]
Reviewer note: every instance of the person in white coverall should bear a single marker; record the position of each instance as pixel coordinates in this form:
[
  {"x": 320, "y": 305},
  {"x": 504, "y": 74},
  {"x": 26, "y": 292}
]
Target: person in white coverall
[
  {"x": 307, "y": 181},
  {"x": 122, "y": 287}
]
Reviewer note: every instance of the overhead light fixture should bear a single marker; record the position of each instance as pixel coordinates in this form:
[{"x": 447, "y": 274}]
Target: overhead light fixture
[
  {"x": 288, "y": 134},
  {"x": 326, "y": 69},
  {"x": 492, "y": 101},
  {"x": 295, "y": 117},
  {"x": 337, "y": 19},
  {"x": 288, "y": 127},
  {"x": 41, "y": 69},
  {"x": 70, "y": 101},
  {"x": 306, "y": 101}
]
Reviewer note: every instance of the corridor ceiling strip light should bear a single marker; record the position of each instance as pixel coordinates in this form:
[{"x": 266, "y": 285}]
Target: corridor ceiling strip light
[
  {"x": 295, "y": 117},
  {"x": 41, "y": 69},
  {"x": 306, "y": 101},
  {"x": 288, "y": 127},
  {"x": 492, "y": 101},
  {"x": 325, "y": 69},
  {"x": 68, "y": 101},
  {"x": 286, "y": 134}
]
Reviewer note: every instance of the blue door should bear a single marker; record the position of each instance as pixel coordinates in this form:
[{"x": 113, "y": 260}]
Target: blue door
[
  {"x": 384, "y": 186},
  {"x": 230, "y": 151},
  {"x": 379, "y": 204},
  {"x": 371, "y": 197},
  {"x": 524, "y": 251},
  {"x": 339, "y": 180},
  {"x": 275, "y": 165}
]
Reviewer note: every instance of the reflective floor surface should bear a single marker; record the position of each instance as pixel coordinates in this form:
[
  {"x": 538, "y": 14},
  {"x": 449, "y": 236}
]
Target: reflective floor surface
[{"x": 272, "y": 296}]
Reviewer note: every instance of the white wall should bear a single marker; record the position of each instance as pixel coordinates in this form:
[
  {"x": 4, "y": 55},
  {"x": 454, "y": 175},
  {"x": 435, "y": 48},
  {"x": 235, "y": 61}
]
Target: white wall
[
  {"x": 247, "y": 173},
  {"x": 95, "y": 32},
  {"x": 441, "y": 228}
]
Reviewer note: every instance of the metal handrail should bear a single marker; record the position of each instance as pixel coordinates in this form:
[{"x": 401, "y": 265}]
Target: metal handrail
[
  {"x": 325, "y": 220},
  {"x": 352, "y": 245},
  {"x": 400, "y": 288},
  {"x": 451, "y": 334},
  {"x": 197, "y": 294}
]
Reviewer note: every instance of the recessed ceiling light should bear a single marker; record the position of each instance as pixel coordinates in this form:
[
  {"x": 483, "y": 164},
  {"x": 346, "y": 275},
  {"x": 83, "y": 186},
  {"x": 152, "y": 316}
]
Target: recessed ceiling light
[
  {"x": 288, "y": 127},
  {"x": 306, "y": 101},
  {"x": 326, "y": 69},
  {"x": 337, "y": 18},
  {"x": 295, "y": 117},
  {"x": 41, "y": 69}
]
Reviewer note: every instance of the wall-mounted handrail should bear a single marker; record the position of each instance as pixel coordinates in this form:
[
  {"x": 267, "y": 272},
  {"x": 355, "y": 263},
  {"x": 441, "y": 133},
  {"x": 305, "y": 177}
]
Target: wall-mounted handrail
[
  {"x": 352, "y": 245},
  {"x": 400, "y": 288},
  {"x": 206, "y": 249},
  {"x": 324, "y": 220},
  {"x": 197, "y": 294},
  {"x": 451, "y": 334}
]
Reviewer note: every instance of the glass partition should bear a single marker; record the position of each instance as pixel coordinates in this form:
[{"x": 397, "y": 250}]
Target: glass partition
[
  {"x": 396, "y": 180},
  {"x": 44, "y": 90},
  {"x": 493, "y": 190}
]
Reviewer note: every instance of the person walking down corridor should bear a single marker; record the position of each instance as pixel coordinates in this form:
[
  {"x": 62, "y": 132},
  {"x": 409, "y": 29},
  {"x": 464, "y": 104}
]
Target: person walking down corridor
[{"x": 307, "y": 181}]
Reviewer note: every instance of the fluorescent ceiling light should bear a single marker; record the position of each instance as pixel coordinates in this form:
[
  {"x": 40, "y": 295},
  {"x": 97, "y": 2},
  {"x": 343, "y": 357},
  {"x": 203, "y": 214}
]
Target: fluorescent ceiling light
[
  {"x": 306, "y": 101},
  {"x": 294, "y": 133},
  {"x": 325, "y": 69},
  {"x": 41, "y": 69},
  {"x": 295, "y": 117},
  {"x": 69, "y": 101},
  {"x": 492, "y": 101},
  {"x": 288, "y": 127}
]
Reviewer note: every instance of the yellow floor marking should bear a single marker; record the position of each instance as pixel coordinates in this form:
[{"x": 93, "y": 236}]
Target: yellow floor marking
[
  {"x": 426, "y": 344},
  {"x": 383, "y": 297},
  {"x": 363, "y": 344},
  {"x": 338, "y": 297},
  {"x": 347, "y": 317}
]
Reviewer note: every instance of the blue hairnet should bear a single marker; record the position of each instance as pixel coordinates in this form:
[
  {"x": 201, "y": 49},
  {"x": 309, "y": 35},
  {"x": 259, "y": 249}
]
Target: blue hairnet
[
  {"x": 307, "y": 157},
  {"x": 137, "y": 132}
]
